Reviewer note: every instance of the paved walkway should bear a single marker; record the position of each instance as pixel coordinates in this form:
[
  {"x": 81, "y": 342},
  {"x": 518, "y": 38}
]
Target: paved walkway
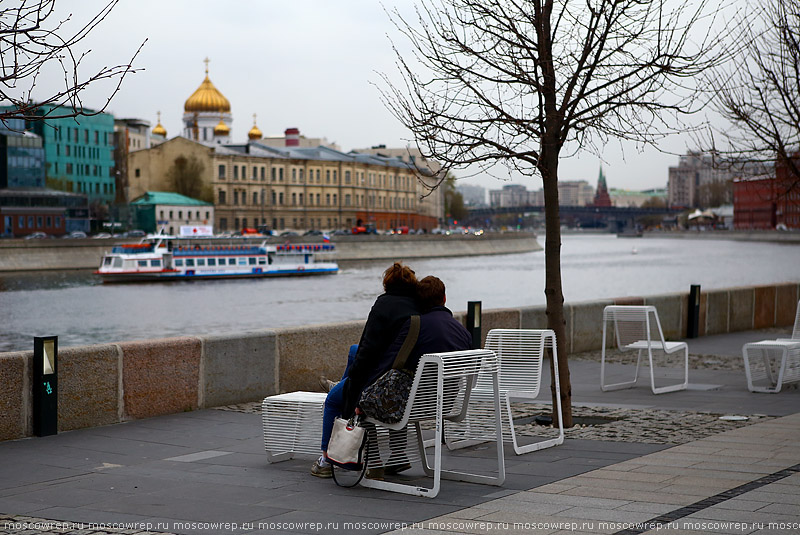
[{"x": 206, "y": 472}]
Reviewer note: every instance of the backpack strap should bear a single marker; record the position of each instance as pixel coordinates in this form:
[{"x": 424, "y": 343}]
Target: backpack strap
[{"x": 408, "y": 344}]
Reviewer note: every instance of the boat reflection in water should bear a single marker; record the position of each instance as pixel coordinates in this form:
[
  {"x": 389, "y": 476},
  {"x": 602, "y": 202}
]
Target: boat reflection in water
[{"x": 169, "y": 258}]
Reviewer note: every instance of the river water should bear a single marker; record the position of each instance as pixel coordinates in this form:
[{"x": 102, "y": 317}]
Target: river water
[{"x": 81, "y": 310}]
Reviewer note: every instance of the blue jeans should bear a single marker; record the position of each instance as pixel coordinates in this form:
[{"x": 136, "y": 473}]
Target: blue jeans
[{"x": 335, "y": 401}]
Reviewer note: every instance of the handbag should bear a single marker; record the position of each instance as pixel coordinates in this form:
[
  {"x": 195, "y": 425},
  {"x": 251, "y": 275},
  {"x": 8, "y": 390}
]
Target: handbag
[
  {"x": 385, "y": 399},
  {"x": 346, "y": 447}
]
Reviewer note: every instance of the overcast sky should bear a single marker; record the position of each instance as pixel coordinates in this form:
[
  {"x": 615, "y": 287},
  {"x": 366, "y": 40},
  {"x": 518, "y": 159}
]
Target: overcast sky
[{"x": 311, "y": 65}]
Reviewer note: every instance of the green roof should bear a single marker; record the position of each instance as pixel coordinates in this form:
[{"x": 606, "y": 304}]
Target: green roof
[{"x": 165, "y": 197}]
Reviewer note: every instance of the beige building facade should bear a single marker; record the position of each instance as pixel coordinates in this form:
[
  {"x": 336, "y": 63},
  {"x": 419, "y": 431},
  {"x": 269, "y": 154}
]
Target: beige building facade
[{"x": 290, "y": 188}]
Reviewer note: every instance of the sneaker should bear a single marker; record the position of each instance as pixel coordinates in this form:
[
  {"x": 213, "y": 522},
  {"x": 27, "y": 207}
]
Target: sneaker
[
  {"x": 397, "y": 464},
  {"x": 375, "y": 473},
  {"x": 397, "y": 468},
  {"x": 326, "y": 383},
  {"x": 322, "y": 468}
]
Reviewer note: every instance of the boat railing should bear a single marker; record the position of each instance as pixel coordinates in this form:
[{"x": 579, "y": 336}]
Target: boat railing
[{"x": 305, "y": 248}]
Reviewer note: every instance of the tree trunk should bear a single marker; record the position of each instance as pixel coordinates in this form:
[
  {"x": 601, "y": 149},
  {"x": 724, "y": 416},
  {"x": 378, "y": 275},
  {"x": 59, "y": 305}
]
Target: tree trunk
[{"x": 552, "y": 287}]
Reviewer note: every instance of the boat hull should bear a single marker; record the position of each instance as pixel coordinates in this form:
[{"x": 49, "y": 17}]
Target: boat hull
[{"x": 198, "y": 276}]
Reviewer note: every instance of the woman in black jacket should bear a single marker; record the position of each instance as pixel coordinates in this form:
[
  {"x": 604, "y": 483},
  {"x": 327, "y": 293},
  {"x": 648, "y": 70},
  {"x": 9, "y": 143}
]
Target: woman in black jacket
[{"x": 390, "y": 311}]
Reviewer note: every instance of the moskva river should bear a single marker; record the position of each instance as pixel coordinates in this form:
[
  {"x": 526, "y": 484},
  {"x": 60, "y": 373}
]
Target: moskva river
[{"x": 80, "y": 310}]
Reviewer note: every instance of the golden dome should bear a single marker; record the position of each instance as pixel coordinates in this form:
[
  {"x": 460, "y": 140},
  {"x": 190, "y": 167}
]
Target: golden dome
[
  {"x": 254, "y": 132},
  {"x": 207, "y": 98},
  {"x": 221, "y": 129},
  {"x": 159, "y": 130}
]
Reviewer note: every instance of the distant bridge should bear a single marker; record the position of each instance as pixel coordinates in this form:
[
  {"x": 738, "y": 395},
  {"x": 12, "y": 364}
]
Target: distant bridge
[{"x": 611, "y": 216}]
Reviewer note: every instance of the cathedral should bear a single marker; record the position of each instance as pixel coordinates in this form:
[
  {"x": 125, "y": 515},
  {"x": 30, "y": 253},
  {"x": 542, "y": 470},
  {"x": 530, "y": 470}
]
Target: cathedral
[{"x": 289, "y": 181}]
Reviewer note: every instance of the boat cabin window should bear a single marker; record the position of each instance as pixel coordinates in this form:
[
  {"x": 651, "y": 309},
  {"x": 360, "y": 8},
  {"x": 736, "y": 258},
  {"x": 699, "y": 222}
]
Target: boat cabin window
[
  {"x": 117, "y": 262},
  {"x": 107, "y": 261},
  {"x": 212, "y": 261},
  {"x": 190, "y": 262},
  {"x": 201, "y": 261},
  {"x": 178, "y": 262},
  {"x": 142, "y": 263},
  {"x": 242, "y": 261},
  {"x": 252, "y": 260},
  {"x": 231, "y": 261},
  {"x": 155, "y": 263},
  {"x": 262, "y": 260}
]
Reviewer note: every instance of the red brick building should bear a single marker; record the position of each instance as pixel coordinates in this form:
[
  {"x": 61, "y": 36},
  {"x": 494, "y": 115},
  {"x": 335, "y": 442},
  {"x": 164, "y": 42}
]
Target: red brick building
[{"x": 767, "y": 201}]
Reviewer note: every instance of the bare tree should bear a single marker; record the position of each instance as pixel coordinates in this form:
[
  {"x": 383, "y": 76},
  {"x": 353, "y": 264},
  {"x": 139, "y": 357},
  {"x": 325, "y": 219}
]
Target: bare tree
[
  {"x": 185, "y": 176},
  {"x": 759, "y": 93},
  {"x": 32, "y": 40},
  {"x": 525, "y": 82}
]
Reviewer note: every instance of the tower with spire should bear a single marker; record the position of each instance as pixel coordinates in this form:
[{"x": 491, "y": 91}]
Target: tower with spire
[{"x": 601, "y": 196}]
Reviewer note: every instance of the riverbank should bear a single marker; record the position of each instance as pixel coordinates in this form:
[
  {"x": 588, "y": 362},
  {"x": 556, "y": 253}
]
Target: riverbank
[
  {"x": 762, "y": 236},
  {"x": 41, "y": 255}
]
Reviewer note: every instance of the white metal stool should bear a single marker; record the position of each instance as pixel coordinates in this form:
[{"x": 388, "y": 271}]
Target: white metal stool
[
  {"x": 292, "y": 424},
  {"x": 786, "y": 356}
]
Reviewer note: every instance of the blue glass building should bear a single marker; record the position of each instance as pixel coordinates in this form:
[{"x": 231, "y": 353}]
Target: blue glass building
[
  {"x": 26, "y": 205},
  {"x": 79, "y": 152}
]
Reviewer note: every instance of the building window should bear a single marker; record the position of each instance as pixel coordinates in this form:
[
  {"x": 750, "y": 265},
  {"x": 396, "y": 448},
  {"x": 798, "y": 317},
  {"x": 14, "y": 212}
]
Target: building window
[
  {"x": 263, "y": 170},
  {"x": 255, "y": 197},
  {"x": 235, "y": 173},
  {"x": 318, "y": 179},
  {"x": 302, "y": 175},
  {"x": 280, "y": 200},
  {"x": 221, "y": 199},
  {"x": 223, "y": 223},
  {"x": 137, "y": 172},
  {"x": 334, "y": 176},
  {"x": 221, "y": 171},
  {"x": 327, "y": 176},
  {"x": 180, "y": 214},
  {"x": 244, "y": 173},
  {"x": 255, "y": 173},
  {"x": 294, "y": 199},
  {"x": 280, "y": 174},
  {"x": 272, "y": 172},
  {"x": 294, "y": 175},
  {"x": 347, "y": 177}
]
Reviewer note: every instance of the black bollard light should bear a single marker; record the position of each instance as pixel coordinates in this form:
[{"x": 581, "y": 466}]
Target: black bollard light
[
  {"x": 474, "y": 323},
  {"x": 45, "y": 385},
  {"x": 693, "y": 327}
]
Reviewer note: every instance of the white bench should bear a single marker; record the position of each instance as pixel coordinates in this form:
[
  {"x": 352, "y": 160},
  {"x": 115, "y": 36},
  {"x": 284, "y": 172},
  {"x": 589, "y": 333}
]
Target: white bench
[
  {"x": 520, "y": 354},
  {"x": 292, "y": 424},
  {"x": 441, "y": 392},
  {"x": 778, "y": 361},
  {"x": 637, "y": 328}
]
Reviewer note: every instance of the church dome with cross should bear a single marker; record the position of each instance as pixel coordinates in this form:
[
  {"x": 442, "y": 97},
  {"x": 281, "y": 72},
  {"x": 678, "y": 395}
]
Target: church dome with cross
[{"x": 207, "y": 113}]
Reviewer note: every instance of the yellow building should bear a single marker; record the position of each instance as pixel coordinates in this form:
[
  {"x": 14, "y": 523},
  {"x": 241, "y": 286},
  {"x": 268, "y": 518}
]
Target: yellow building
[{"x": 294, "y": 187}]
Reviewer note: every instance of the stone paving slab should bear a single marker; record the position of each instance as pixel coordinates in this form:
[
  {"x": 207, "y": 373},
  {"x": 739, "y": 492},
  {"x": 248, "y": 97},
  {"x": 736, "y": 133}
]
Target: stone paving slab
[{"x": 601, "y": 502}]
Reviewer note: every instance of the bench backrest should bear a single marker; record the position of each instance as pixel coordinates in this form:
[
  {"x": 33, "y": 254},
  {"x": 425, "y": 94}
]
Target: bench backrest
[
  {"x": 457, "y": 372},
  {"x": 633, "y": 323},
  {"x": 796, "y": 330},
  {"x": 520, "y": 353}
]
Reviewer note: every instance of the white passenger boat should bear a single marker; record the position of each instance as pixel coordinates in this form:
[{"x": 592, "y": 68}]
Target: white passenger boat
[{"x": 169, "y": 258}]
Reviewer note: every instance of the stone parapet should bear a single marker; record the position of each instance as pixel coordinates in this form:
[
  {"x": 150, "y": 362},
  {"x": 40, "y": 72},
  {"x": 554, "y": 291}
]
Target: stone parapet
[{"x": 111, "y": 383}]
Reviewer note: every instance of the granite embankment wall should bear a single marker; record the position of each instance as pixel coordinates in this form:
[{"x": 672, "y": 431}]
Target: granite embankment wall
[
  {"x": 111, "y": 383},
  {"x": 36, "y": 255}
]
